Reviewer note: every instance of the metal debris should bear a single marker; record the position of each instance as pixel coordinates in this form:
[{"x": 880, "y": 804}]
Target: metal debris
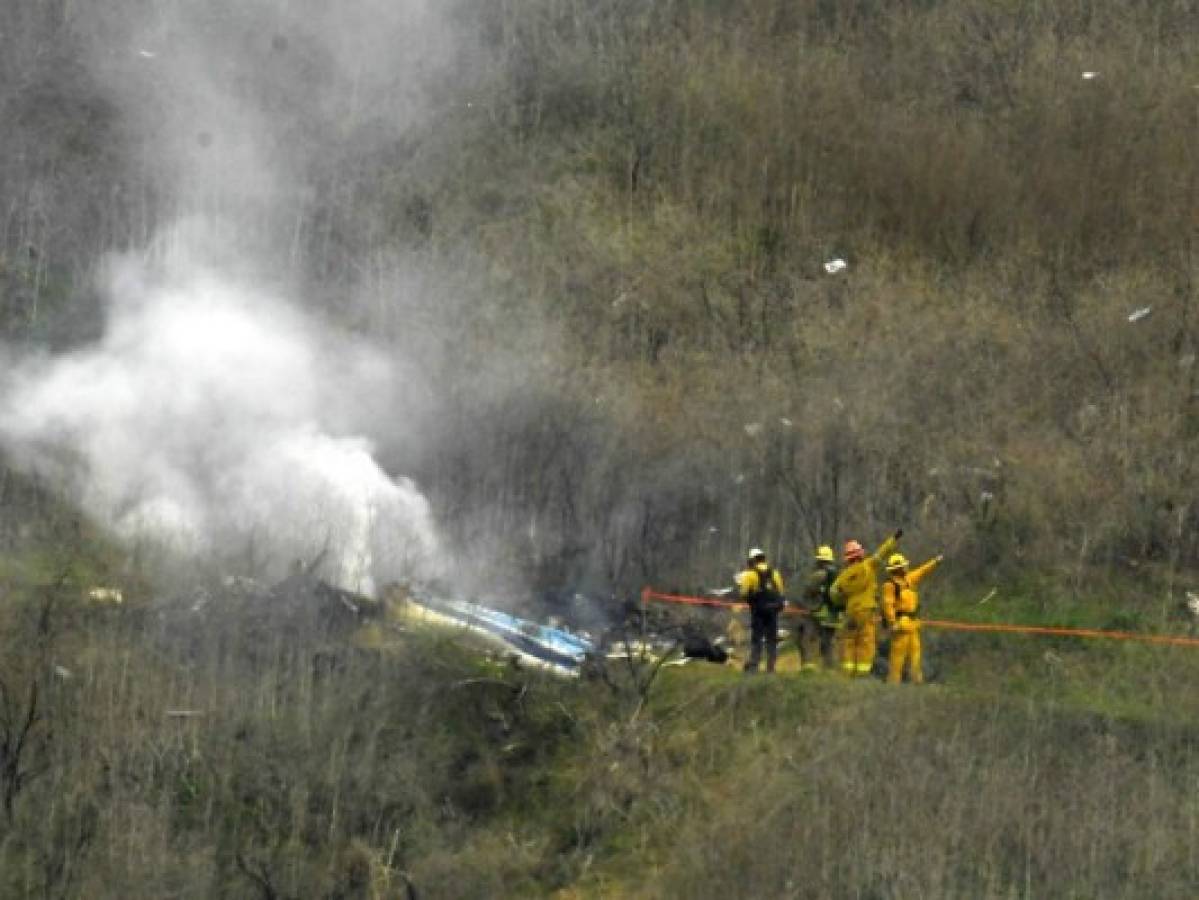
[{"x": 105, "y": 595}]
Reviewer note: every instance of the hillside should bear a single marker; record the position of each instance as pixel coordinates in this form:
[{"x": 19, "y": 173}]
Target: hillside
[
  {"x": 532, "y": 301},
  {"x": 601, "y": 235},
  {"x": 198, "y": 748}
]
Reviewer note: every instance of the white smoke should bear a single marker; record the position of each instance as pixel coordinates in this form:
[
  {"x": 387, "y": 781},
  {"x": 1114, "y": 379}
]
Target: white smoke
[
  {"x": 213, "y": 416},
  {"x": 217, "y": 419}
]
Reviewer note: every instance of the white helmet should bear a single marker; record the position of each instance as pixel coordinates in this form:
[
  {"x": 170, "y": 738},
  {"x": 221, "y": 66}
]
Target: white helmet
[{"x": 755, "y": 553}]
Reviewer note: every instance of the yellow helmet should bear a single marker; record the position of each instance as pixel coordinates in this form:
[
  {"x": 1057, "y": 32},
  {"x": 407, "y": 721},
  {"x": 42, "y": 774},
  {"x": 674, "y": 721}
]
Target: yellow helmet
[
  {"x": 825, "y": 554},
  {"x": 897, "y": 561}
]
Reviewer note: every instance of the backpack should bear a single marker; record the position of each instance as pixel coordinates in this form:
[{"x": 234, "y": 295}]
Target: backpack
[
  {"x": 766, "y": 596},
  {"x": 830, "y": 608}
]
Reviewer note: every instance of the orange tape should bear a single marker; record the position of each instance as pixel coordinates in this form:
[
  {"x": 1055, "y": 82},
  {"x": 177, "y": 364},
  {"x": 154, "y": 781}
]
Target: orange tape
[
  {"x": 649, "y": 594},
  {"x": 1177, "y": 640}
]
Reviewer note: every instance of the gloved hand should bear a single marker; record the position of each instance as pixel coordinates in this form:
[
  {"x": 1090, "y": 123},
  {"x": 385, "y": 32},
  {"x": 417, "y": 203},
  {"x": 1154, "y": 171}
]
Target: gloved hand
[
  {"x": 898, "y": 533},
  {"x": 940, "y": 557}
]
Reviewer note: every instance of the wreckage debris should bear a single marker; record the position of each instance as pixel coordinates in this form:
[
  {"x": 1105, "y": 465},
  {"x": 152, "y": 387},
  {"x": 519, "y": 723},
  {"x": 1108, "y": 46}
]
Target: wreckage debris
[
  {"x": 105, "y": 595},
  {"x": 555, "y": 648}
]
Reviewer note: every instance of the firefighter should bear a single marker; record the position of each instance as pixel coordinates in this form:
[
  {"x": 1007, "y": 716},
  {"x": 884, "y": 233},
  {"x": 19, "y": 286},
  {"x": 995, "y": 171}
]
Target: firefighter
[
  {"x": 901, "y": 606},
  {"x": 856, "y": 589},
  {"x": 762, "y": 588},
  {"x": 820, "y": 618}
]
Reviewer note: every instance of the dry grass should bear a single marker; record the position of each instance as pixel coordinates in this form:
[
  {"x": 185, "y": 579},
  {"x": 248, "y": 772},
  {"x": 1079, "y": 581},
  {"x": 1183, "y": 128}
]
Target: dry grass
[
  {"x": 308, "y": 767},
  {"x": 193, "y": 758}
]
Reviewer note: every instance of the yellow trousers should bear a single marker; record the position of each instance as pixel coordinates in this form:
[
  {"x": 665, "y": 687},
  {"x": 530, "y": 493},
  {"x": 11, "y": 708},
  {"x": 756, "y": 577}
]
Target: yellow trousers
[
  {"x": 858, "y": 642},
  {"x": 905, "y": 650}
]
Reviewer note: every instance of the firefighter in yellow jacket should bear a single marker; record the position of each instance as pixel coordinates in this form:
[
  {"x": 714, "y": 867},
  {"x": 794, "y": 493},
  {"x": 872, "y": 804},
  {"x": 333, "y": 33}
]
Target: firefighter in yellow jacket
[
  {"x": 901, "y": 605},
  {"x": 820, "y": 618},
  {"x": 762, "y": 588},
  {"x": 856, "y": 588}
]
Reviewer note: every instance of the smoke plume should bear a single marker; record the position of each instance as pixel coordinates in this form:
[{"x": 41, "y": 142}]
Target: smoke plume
[{"x": 214, "y": 417}]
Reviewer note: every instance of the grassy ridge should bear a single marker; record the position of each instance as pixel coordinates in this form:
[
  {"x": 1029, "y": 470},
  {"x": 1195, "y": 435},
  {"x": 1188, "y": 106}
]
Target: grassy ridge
[{"x": 318, "y": 765}]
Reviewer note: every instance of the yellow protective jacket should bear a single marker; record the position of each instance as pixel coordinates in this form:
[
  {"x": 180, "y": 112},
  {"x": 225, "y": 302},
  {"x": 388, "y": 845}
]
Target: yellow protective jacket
[
  {"x": 750, "y": 580},
  {"x": 856, "y": 588},
  {"x": 899, "y": 593}
]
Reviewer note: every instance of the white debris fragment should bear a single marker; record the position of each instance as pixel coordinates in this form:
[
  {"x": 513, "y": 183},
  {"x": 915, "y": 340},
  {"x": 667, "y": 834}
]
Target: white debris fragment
[
  {"x": 1088, "y": 76},
  {"x": 712, "y": 529},
  {"x": 833, "y": 266},
  {"x": 785, "y": 422},
  {"x": 63, "y": 672},
  {"x": 105, "y": 595},
  {"x": 753, "y": 429},
  {"x": 1139, "y": 314},
  {"x": 1193, "y": 603},
  {"x": 147, "y": 54},
  {"x": 986, "y": 497},
  {"x": 738, "y": 478}
]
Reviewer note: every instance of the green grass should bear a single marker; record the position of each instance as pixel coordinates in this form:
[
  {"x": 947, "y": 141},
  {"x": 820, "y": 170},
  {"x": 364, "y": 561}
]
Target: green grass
[
  {"x": 724, "y": 727},
  {"x": 424, "y": 759}
]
